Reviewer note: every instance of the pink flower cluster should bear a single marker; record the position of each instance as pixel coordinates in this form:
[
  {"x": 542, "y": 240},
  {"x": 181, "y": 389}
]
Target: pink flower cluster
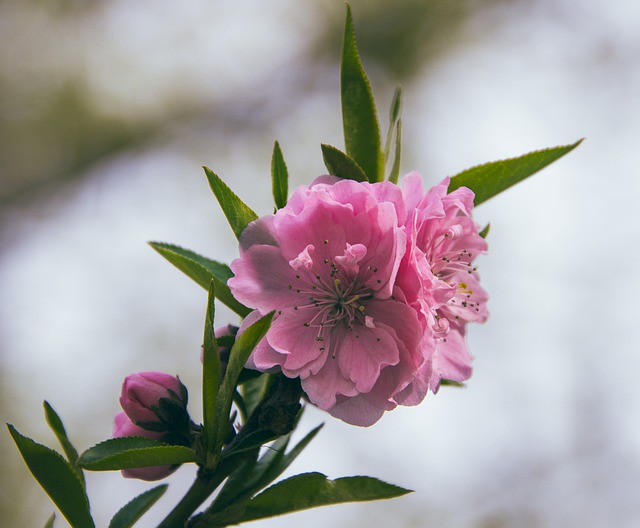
[{"x": 372, "y": 285}]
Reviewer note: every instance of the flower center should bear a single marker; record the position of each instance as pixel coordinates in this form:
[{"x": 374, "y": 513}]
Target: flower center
[{"x": 334, "y": 289}]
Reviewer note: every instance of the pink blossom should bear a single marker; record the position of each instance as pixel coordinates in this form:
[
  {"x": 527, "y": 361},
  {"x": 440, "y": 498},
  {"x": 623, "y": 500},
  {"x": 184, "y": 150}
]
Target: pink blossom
[
  {"x": 438, "y": 274},
  {"x": 123, "y": 426},
  {"x": 327, "y": 263},
  {"x": 372, "y": 288},
  {"x": 142, "y": 392}
]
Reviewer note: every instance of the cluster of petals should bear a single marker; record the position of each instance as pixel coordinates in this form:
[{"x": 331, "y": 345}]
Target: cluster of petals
[{"x": 372, "y": 286}]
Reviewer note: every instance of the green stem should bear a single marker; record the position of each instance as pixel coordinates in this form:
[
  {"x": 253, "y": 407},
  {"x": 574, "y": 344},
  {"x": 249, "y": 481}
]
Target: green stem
[{"x": 199, "y": 491}]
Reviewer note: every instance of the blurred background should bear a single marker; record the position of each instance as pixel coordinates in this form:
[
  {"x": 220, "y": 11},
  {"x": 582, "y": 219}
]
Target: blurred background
[{"x": 109, "y": 108}]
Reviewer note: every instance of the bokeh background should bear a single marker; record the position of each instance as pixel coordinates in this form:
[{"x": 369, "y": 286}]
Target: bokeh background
[{"x": 109, "y": 108}]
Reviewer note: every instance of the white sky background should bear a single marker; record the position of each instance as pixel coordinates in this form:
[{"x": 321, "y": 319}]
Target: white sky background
[{"x": 547, "y": 432}]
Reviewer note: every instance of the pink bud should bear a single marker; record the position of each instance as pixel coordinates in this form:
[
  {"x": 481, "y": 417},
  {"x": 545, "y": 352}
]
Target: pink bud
[
  {"x": 122, "y": 426},
  {"x": 142, "y": 392}
]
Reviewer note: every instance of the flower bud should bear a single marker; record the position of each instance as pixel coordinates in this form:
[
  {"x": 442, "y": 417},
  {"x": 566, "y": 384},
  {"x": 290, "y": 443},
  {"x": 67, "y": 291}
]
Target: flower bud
[
  {"x": 150, "y": 398},
  {"x": 122, "y": 426}
]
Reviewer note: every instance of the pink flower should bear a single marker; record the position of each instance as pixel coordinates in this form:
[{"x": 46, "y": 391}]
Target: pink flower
[
  {"x": 328, "y": 264},
  {"x": 122, "y": 426},
  {"x": 142, "y": 392},
  {"x": 438, "y": 275}
]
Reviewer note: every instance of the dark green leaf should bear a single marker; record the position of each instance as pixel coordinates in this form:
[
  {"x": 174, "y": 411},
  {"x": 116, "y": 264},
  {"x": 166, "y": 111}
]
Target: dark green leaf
[
  {"x": 237, "y": 212},
  {"x": 240, "y": 352},
  {"x": 57, "y": 427},
  {"x": 210, "y": 372},
  {"x": 310, "y": 490},
  {"x": 340, "y": 165},
  {"x": 395, "y": 168},
  {"x": 253, "y": 477},
  {"x": 279, "y": 177},
  {"x": 129, "y": 514},
  {"x": 359, "y": 117},
  {"x": 245, "y": 482},
  {"x": 271, "y": 466},
  {"x": 203, "y": 271},
  {"x": 134, "y": 452},
  {"x": 57, "y": 478},
  {"x": 492, "y": 178},
  {"x": 49, "y": 523},
  {"x": 254, "y": 390}
]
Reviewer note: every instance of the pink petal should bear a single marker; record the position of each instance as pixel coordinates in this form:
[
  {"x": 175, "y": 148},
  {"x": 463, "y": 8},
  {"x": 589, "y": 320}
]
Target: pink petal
[
  {"x": 262, "y": 278},
  {"x": 363, "y": 353},
  {"x": 324, "y": 387},
  {"x": 357, "y": 411}
]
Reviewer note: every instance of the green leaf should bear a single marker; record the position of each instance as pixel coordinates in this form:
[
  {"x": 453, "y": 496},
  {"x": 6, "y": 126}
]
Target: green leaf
[
  {"x": 129, "y": 514},
  {"x": 254, "y": 476},
  {"x": 240, "y": 352},
  {"x": 203, "y": 271},
  {"x": 134, "y": 452},
  {"x": 57, "y": 427},
  {"x": 310, "y": 490},
  {"x": 49, "y": 523},
  {"x": 485, "y": 231},
  {"x": 451, "y": 383},
  {"x": 210, "y": 373},
  {"x": 57, "y": 478},
  {"x": 492, "y": 178},
  {"x": 394, "y": 115},
  {"x": 359, "y": 117},
  {"x": 340, "y": 165},
  {"x": 395, "y": 168},
  {"x": 254, "y": 390},
  {"x": 271, "y": 466},
  {"x": 237, "y": 212},
  {"x": 279, "y": 177}
]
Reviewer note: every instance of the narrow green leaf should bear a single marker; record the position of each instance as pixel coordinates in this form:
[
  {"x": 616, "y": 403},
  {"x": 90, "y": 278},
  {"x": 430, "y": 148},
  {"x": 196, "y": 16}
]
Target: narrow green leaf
[
  {"x": 134, "y": 452},
  {"x": 359, "y": 117},
  {"x": 253, "y": 477},
  {"x": 340, "y": 165},
  {"x": 395, "y": 168},
  {"x": 492, "y": 178},
  {"x": 485, "y": 232},
  {"x": 49, "y": 523},
  {"x": 394, "y": 115},
  {"x": 279, "y": 177},
  {"x": 274, "y": 466},
  {"x": 57, "y": 478},
  {"x": 451, "y": 383},
  {"x": 240, "y": 352},
  {"x": 245, "y": 482},
  {"x": 310, "y": 490},
  {"x": 203, "y": 271},
  {"x": 56, "y": 425},
  {"x": 210, "y": 372},
  {"x": 131, "y": 512},
  {"x": 237, "y": 212}
]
